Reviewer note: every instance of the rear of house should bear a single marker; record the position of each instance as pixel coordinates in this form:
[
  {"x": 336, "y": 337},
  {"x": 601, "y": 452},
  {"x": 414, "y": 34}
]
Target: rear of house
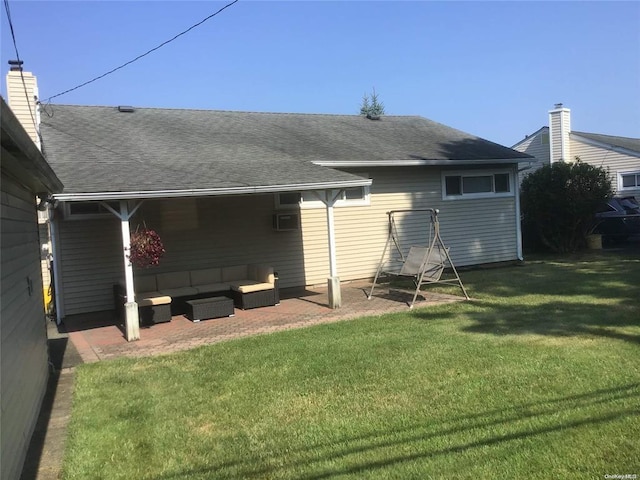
[
  {"x": 216, "y": 231},
  {"x": 224, "y": 188}
]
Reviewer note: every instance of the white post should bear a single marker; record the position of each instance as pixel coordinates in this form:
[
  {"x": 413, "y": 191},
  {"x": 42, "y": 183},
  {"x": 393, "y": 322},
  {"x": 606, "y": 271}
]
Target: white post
[
  {"x": 333, "y": 282},
  {"x": 132, "y": 322}
]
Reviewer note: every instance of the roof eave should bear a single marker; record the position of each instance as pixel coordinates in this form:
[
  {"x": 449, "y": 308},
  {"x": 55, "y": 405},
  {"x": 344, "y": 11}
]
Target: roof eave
[
  {"x": 419, "y": 162},
  {"x": 208, "y": 192},
  {"x": 22, "y": 157}
]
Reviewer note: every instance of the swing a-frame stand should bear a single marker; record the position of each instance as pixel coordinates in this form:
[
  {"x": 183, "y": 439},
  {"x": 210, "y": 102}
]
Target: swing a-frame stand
[{"x": 422, "y": 264}]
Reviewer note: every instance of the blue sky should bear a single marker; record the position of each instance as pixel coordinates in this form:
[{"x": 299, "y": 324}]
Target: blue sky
[{"x": 492, "y": 69}]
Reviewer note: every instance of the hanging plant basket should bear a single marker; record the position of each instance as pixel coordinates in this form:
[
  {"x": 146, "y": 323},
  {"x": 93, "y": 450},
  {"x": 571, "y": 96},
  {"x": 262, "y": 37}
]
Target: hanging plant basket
[{"x": 146, "y": 248}]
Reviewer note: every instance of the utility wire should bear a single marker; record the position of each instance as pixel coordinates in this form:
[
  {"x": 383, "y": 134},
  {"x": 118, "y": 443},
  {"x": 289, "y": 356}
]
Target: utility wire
[
  {"x": 15, "y": 46},
  {"x": 144, "y": 54}
]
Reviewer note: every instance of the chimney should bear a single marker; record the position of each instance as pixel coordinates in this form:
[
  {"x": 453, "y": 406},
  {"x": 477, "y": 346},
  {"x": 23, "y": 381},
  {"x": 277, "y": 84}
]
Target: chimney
[
  {"x": 21, "y": 98},
  {"x": 559, "y": 129}
]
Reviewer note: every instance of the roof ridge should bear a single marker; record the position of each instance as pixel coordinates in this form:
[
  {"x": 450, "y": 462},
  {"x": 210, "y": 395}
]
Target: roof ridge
[{"x": 229, "y": 111}]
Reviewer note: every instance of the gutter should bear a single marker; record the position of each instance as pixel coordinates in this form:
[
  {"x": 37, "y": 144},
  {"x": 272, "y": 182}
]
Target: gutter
[
  {"x": 209, "y": 192},
  {"x": 417, "y": 162}
]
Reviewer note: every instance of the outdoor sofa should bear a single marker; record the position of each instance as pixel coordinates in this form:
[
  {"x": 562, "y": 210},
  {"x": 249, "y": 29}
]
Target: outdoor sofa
[{"x": 250, "y": 286}]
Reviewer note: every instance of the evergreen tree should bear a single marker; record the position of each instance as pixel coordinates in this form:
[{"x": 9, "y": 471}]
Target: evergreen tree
[{"x": 371, "y": 107}]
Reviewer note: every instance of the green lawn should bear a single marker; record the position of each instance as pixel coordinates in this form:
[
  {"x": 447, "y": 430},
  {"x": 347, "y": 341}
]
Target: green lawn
[{"x": 538, "y": 377}]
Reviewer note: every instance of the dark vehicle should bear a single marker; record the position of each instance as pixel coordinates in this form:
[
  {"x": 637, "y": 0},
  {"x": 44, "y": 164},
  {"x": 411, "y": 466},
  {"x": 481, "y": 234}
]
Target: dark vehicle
[{"x": 618, "y": 219}]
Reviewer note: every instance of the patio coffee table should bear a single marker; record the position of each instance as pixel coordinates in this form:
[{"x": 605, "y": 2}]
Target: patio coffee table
[{"x": 212, "y": 307}]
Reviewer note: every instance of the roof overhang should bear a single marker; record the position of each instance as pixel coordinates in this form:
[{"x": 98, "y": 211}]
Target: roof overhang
[
  {"x": 209, "y": 192},
  {"x": 21, "y": 157},
  {"x": 419, "y": 162}
]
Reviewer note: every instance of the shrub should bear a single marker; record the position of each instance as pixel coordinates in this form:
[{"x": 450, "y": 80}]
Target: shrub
[{"x": 559, "y": 201}]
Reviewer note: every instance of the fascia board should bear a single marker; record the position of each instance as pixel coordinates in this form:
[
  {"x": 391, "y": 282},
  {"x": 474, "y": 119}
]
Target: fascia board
[
  {"x": 418, "y": 162},
  {"x": 208, "y": 192}
]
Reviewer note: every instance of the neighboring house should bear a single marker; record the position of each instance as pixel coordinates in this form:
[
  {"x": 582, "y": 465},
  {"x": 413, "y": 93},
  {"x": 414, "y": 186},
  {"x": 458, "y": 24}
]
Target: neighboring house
[
  {"x": 557, "y": 142},
  {"x": 23, "y": 346},
  {"x": 307, "y": 194}
]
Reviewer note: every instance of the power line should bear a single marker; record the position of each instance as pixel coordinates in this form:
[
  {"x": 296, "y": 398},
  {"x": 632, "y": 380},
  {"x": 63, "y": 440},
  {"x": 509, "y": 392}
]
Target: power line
[
  {"x": 15, "y": 46},
  {"x": 144, "y": 54}
]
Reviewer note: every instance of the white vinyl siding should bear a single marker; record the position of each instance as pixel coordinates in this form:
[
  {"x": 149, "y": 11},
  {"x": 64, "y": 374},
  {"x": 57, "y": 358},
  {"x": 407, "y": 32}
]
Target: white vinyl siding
[
  {"x": 23, "y": 343},
  {"x": 90, "y": 263},
  {"x": 23, "y": 105},
  {"x": 615, "y": 162},
  {"x": 560, "y": 127},
  {"x": 235, "y": 230},
  {"x": 477, "y": 231},
  {"x": 536, "y": 145}
]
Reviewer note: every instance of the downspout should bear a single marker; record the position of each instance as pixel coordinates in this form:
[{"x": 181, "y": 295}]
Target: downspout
[
  {"x": 518, "y": 219},
  {"x": 57, "y": 274}
]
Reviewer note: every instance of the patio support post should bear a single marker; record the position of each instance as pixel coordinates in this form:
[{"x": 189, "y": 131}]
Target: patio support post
[
  {"x": 132, "y": 322},
  {"x": 333, "y": 282}
]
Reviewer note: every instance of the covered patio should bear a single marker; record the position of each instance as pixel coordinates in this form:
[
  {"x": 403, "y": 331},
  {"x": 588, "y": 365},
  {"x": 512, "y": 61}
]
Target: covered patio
[{"x": 98, "y": 336}]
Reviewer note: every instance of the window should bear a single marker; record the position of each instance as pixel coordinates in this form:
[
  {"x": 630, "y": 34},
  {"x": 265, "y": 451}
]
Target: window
[
  {"x": 476, "y": 185},
  {"x": 86, "y": 210},
  {"x": 350, "y": 197},
  {"x": 288, "y": 200},
  {"x": 628, "y": 180}
]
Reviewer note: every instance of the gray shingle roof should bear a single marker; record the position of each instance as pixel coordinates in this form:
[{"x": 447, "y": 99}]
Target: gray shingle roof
[
  {"x": 99, "y": 149},
  {"x": 632, "y": 144}
]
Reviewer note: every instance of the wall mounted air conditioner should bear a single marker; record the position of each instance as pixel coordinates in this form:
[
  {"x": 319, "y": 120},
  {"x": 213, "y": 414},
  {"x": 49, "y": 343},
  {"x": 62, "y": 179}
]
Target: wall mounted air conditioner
[{"x": 286, "y": 221}]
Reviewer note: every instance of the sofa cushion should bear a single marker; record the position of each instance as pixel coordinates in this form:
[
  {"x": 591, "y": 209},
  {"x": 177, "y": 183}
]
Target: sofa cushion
[
  {"x": 248, "y": 286},
  {"x": 145, "y": 283},
  {"x": 173, "y": 280},
  {"x": 264, "y": 273},
  {"x": 213, "y": 288},
  {"x": 155, "y": 300},
  {"x": 207, "y": 276},
  {"x": 236, "y": 272},
  {"x": 179, "y": 291}
]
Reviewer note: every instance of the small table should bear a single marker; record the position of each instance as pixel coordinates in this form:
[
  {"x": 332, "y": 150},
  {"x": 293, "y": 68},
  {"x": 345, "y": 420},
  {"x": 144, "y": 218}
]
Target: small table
[{"x": 212, "y": 307}]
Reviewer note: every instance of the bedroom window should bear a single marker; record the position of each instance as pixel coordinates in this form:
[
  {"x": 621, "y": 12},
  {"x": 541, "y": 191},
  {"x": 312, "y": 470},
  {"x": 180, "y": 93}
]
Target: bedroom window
[
  {"x": 476, "y": 184},
  {"x": 628, "y": 180}
]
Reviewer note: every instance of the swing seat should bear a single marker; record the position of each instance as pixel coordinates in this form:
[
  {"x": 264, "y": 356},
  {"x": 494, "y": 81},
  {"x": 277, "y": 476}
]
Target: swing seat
[
  {"x": 424, "y": 265},
  {"x": 419, "y": 263}
]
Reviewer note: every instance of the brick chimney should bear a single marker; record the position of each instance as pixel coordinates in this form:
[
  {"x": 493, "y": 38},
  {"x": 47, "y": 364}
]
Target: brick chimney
[
  {"x": 559, "y": 129},
  {"x": 22, "y": 99}
]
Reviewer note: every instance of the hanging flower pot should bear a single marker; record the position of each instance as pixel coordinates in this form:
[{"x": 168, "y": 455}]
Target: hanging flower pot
[{"x": 146, "y": 248}]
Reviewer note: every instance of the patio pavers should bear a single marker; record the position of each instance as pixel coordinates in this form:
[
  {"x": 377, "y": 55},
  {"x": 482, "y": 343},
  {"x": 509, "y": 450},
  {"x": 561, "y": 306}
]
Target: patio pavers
[{"x": 97, "y": 337}]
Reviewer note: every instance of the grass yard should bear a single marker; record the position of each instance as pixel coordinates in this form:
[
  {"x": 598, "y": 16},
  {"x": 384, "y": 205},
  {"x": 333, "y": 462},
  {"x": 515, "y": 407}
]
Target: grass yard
[{"x": 538, "y": 377}]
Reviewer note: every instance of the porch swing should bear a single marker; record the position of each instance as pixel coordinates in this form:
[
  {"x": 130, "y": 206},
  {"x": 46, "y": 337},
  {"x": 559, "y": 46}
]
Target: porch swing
[{"x": 422, "y": 264}]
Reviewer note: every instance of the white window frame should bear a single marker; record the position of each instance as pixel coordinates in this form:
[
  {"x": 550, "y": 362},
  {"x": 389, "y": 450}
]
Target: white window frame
[
  {"x": 69, "y": 215},
  {"x": 630, "y": 172},
  {"x": 478, "y": 173},
  {"x": 286, "y": 206},
  {"x": 309, "y": 200}
]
